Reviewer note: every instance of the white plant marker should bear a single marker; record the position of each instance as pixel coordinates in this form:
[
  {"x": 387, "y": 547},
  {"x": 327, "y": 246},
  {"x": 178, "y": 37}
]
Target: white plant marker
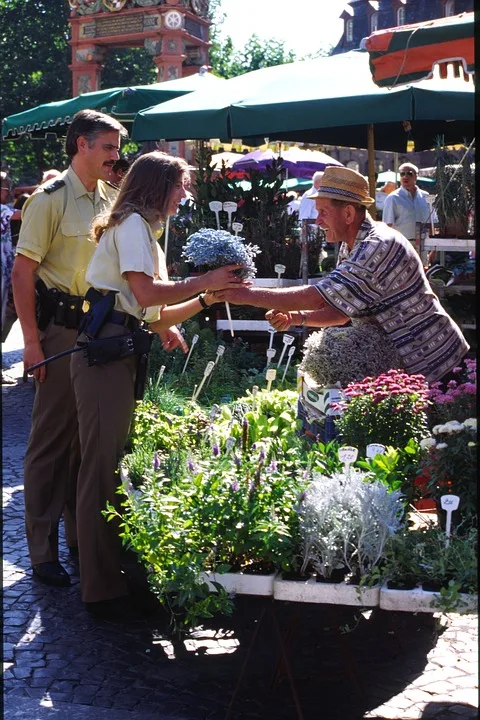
[
  {"x": 272, "y": 332},
  {"x": 271, "y": 352},
  {"x": 347, "y": 455},
  {"x": 237, "y": 227},
  {"x": 254, "y": 396},
  {"x": 206, "y": 373},
  {"x": 287, "y": 340},
  {"x": 279, "y": 269},
  {"x": 194, "y": 342},
  {"x": 449, "y": 503},
  {"x": 271, "y": 374},
  {"x": 431, "y": 200},
  {"x": 375, "y": 449},
  {"x": 230, "y": 208},
  {"x": 230, "y": 444},
  {"x": 291, "y": 350},
  {"x": 220, "y": 352},
  {"x": 215, "y": 206},
  {"x": 160, "y": 374}
]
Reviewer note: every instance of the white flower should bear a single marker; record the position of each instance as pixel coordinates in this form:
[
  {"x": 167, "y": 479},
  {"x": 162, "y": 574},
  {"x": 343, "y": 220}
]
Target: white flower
[
  {"x": 438, "y": 429},
  {"x": 428, "y": 443},
  {"x": 450, "y": 428},
  {"x": 442, "y": 446},
  {"x": 470, "y": 423}
]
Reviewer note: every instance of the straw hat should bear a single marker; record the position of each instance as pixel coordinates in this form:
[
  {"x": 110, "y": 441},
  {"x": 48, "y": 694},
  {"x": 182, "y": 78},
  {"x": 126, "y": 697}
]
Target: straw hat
[{"x": 341, "y": 183}]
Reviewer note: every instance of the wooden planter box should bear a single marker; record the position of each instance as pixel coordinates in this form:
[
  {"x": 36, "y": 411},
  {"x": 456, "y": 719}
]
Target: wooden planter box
[
  {"x": 420, "y": 600},
  {"x": 241, "y": 583},
  {"x": 311, "y": 591}
]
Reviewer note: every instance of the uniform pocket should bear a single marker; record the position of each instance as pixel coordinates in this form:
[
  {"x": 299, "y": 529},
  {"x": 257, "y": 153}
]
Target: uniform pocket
[{"x": 72, "y": 230}]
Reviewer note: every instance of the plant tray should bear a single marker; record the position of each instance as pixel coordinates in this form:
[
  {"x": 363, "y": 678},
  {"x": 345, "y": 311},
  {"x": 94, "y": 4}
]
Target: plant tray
[
  {"x": 311, "y": 591},
  {"x": 420, "y": 600},
  {"x": 241, "y": 583}
]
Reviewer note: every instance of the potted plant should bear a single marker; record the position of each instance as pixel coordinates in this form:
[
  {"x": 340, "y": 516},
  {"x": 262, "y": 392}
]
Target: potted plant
[
  {"x": 346, "y": 522},
  {"x": 421, "y": 573},
  {"x": 455, "y": 203}
]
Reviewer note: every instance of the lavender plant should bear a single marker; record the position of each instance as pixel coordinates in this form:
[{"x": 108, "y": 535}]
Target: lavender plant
[
  {"x": 216, "y": 248},
  {"x": 346, "y": 523},
  {"x": 347, "y": 354}
]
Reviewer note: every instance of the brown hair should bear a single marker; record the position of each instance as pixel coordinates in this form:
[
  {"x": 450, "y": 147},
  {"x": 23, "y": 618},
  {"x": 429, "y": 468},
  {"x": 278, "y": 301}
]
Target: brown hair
[
  {"x": 89, "y": 124},
  {"x": 146, "y": 189}
]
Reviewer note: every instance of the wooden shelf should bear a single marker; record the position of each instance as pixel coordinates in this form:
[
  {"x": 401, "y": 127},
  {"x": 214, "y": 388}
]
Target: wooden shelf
[{"x": 449, "y": 244}]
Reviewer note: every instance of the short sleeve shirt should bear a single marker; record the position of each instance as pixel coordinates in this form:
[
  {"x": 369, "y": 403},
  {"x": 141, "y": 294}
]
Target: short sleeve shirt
[
  {"x": 402, "y": 211},
  {"x": 383, "y": 279},
  {"x": 55, "y": 231},
  {"x": 128, "y": 247}
]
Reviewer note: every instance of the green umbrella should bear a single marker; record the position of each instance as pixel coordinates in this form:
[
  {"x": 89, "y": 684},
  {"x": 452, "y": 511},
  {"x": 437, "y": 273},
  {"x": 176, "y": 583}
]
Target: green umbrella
[
  {"x": 331, "y": 100},
  {"x": 123, "y": 103}
]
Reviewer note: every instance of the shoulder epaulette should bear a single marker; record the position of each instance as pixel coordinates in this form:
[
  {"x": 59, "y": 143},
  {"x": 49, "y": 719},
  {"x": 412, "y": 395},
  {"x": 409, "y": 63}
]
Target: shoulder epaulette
[
  {"x": 115, "y": 187},
  {"x": 56, "y": 185}
]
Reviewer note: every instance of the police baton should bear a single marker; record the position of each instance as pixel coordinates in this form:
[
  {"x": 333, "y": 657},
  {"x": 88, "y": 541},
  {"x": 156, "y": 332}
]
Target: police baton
[{"x": 52, "y": 358}]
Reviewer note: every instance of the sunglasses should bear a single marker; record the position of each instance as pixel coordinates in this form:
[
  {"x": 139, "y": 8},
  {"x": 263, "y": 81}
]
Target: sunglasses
[{"x": 410, "y": 173}]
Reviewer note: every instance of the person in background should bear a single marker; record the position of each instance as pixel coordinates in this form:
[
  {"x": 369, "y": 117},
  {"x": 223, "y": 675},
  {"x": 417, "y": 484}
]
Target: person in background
[
  {"x": 50, "y": 175},
  {"x": 379, "y": 278},
  {"x": 305, "y": 210},
  {"x": 381, "y": 195},
  {"x": 15, "y": 224},
  {"x": 118, "y": 172},
  {"x": 128, "y": 261},
  {"x": 52, "y": 254},
  {"x": 407, "y": 205},
  {"x": 294, "y": 202}
]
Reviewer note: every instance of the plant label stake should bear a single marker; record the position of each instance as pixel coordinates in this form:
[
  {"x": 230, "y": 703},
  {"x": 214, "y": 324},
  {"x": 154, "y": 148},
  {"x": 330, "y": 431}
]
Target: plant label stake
[
  {"x": 206, "y": 373},
  {"x": 215, "y": 206},
  {"x": 254, "y": 396},
  {"x": 279, "y": 269},
  {"x": 229, "y": 316},
  {"x": 230, "y": 444},
  {"x": 347, "y": 455},
  {"x": 375, "y": 449},
  {"x": 287, "y": 340},
  {"x": 220, "y": 351},
  {"x": 272, "y": 332},
  {"x": 194, "y": 342},
  {"x": 291, "y": 350},
  {"x": 271, "y": 352},
  {"x": 271, "y": 374},
  {"x": 229, "y": 208},
  {"x": 449, "y": 503},
  {"x": 162, "y": 370},
  {"x": 237, "y": 227}
]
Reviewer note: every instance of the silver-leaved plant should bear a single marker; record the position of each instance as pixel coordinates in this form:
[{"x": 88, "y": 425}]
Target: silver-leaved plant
[{"x": 216, "y": 248}]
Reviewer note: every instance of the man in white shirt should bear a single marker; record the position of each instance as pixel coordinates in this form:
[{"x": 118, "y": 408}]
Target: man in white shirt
[
  {"x": 405, "y": 207},
  {"x": 306, "y": 211}
]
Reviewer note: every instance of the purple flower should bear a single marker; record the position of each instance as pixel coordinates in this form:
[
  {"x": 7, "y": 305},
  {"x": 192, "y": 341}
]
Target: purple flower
[
  {"x": 235, "y": 486},
  {"x": 215, "y": 450},
  {"x": 192, "y": 467},
  {"x": 273, "y": 466},
  {"x": 156, "y": 462}
]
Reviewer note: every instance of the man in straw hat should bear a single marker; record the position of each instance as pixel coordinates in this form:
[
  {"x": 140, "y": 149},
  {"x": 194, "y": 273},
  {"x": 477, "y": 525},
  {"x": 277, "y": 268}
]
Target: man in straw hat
[{"x": 379, "y": 277}]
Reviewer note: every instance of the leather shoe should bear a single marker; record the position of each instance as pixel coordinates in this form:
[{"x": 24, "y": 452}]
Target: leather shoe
[
  {"x": 73, "y": 551},
  {"x": 52, "y": 573}
]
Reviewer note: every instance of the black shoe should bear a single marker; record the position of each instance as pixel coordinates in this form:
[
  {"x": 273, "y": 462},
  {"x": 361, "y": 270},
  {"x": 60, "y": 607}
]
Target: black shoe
[
  {"x": 119, "y": 610},
  {"x": 52, "y": 573},
  {"x": 73, "y": 551}
]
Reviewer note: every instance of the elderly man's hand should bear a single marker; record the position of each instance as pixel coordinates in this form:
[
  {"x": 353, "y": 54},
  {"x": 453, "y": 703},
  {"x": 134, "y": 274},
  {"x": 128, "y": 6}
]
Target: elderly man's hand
[
  {"x": 235, "y": 297},
  {"x": 172, "y": 338},
  {"x": 281, "y": 321}
]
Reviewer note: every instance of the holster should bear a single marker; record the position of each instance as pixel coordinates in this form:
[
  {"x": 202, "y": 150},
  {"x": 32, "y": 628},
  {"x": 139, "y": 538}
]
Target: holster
[
  {"x": 105, "y": 350},
  {"x": 101, "y": 307},
  {"x": 45, "y": 304},
  {"x": 65, "y": 309}
]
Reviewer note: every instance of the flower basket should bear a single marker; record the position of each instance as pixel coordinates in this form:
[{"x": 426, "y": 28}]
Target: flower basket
[
  {"x": 316, "y": 408},
  {"x": 419, "y": 600},
  {"x": 311, "y": 591},
  {"x": 241, "y": 583}
]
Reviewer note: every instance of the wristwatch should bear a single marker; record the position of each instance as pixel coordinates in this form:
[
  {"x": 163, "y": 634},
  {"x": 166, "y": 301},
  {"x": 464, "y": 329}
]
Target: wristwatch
[{"x": 201, "y": 300}]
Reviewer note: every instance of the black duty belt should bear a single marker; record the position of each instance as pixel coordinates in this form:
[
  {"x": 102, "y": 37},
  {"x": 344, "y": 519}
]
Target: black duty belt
[{"x": 122, "y": 318}]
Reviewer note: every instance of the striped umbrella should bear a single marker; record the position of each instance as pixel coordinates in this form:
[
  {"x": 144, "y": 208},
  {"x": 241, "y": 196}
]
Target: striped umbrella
[{"x": 408, "y": 53}]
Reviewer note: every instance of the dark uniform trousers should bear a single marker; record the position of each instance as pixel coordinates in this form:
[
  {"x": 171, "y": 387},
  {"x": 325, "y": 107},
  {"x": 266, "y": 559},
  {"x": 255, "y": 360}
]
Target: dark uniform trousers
[
  {"x": 105, "y": 404},
  {"x": 52, "y": 457}
]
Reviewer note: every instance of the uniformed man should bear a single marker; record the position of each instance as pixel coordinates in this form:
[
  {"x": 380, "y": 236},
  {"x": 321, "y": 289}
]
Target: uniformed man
[{"x": 52, "y": 255}]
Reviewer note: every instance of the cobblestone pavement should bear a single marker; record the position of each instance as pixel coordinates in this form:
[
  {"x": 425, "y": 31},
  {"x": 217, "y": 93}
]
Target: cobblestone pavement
[{"x": 60, "y": 662}]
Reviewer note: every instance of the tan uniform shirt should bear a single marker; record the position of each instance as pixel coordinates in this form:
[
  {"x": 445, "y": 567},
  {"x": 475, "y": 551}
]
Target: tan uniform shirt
[
  {"x": 128, "y": 247},
  {"x": 55, "y": 231}
]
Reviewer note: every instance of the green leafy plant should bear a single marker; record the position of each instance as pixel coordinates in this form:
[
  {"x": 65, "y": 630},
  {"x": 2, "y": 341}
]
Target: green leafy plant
[{"x": 396, "y": 468}]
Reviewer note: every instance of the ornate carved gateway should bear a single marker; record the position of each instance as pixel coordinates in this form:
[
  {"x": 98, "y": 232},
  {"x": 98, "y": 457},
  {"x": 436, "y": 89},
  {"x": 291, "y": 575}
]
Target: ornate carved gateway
[{"x": 174, "y": 32}]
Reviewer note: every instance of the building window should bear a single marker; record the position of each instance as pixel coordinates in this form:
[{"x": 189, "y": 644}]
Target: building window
[
  {"x": 353, "y": 165},
  {"x": 349, "y": 30},
  {"x": 401, "y": 16},
  {"x": 449, "y": 8},
  {"x": 374, "y": 22}
]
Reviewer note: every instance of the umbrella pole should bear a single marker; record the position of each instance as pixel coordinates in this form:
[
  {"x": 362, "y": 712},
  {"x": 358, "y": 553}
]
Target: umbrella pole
[{"x": 371, "y": 168}]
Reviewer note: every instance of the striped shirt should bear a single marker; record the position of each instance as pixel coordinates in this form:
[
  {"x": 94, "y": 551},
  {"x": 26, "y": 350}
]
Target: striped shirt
[{"x": 382, "y": 278}]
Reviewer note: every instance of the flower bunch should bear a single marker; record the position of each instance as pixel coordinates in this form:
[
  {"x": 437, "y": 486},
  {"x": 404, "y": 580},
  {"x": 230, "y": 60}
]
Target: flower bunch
[
  {"x": 216, "y": 248},
  {"x": 450, "y": 463},
  {"x": 388, "y": 409},
  {"x": 459, "y": 400},
  {"x": 348, "y": 354}
]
